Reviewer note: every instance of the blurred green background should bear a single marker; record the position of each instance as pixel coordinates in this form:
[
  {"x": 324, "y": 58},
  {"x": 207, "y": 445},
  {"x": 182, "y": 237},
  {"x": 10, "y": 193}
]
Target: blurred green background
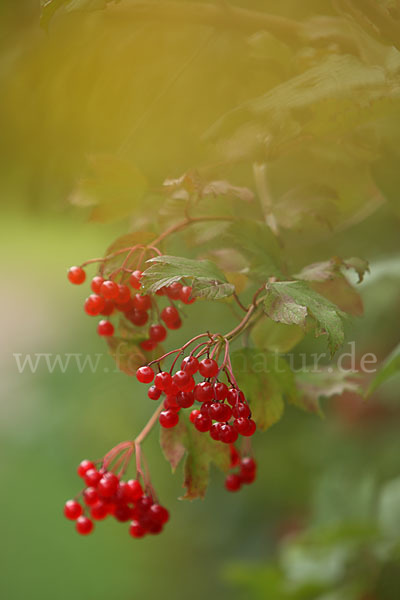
[{"x": 80, "y": 89}]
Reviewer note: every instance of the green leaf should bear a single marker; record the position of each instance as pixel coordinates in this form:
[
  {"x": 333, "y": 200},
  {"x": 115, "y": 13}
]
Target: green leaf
[
  {"x": 312, "y": 386},
  {"x": 174, "y": 443},
  {"x": 291, "y": 301},
  {"x": 341, "y": 293},
  {"x": 276, "y": 337},
  {"x": 266, "y": 380},
  {"x": 390, "y": 367},
  {"x": 329, "y": 269},
  {"x": 202, "y": 451},
  {"x": 113, "y": 189},
  {"x": 207, "y": 280}
]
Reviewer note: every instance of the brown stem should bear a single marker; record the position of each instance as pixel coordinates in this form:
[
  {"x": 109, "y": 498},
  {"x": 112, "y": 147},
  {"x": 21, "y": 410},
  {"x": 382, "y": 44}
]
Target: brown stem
[{"x": 148, "y": 427}]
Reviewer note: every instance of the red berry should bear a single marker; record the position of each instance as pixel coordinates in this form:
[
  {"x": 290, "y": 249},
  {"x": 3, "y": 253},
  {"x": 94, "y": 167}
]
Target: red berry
[
  {"x": 248, "y": 464},
  {"x": 190, "y": 364},
  {"x": 109, "y": 290},
  {"x": 241, "y": 410},
  {"x": 171, "y": 403},
  {"x": 215, "y": 431},
  {"x": 205, "y": 408},
  {"x": 228, "y": 434},
  {"x": 136, "y": 530},
  {"x": 141, "y": 302},
  {"x": 233, "y": 483},
  {"x": 132, "y": 490},
  {"x": 169, "y": 315},
  {"x": 154, "y": 393},
  {"x": 105, "y": 328},
  {"x": 162, "y": 291},
  {"x": 220, "y": 412},
  {"x": 138, "y": 317},
  {"x": 90, "y": 496},
  {"x": 92, "y": 477},
  {"x": 108, "y": 485},
  {"x": 193, "y": 415},
  {"x": 189, "y": 387},
  {"x": 174, "y": 324},
  {"x": 204, "y": 391},
  {"x": 174, "y": 290},
  {"x": 172, "y": 389},
  {"x": 135, "y": 278},
  {"x": 181, "y": 379},
  {"x": 202, "y": 423},
  {"x": 145, "y": 374},
  {"x": 84, "y": 526},
  {"x": 247, "y": 477},
  {"x": 76, "y": 275},
  {"x": 148, "y": 345},
  {"x": 220, "y": 390},
  {"x": 169, "y": 418},
  {"x": 99, "y": 511},
  {"x": 157, "y": 333},
  {"x": 94, "y": 305},
  {"x": 84, "y": 466},
  {"x": 251, "y": 428},
  {"x": 208, "y": 367},
  {"x": 185, "y": 399},
  {"x": 108, "y": 308},
  {"x": 163, "y": 380},
  {"x": 72, "y": 510},
  {"x": 159, "y": 513},
  {"x": 234, "y": 395},
  {"x": 235, "y": 456},
  {"x": 185, "y": 295},
  {"x": 124, "y": 294},
  {"x": 96, "y": 284},
  {"x": 122, "y": 513}
]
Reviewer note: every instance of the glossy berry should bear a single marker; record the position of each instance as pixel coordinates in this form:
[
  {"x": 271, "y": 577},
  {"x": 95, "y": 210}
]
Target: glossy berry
[
  {"x": 134, "y": 279},
  {"x": 169, "y": 315},
  {"x": 141, "y": 302},
  {"x": 84, "y": 526},
  {"x": 90, "y": 496},
  {"x": 172, "y": 389},
  {"x": 190, "y": 364},
  {"x": 94, "y": 305},
  {"x": 193, "y": 415},
  {"x": 108, "y": 485},
  {"x": 124, "y": 294},
  {"x": 220, "y": 390},
  {"x": 251, "y": 428},
  {"x": 92, "y": 477},
  {"x": 109, "y": 290},
  {"x": 84, "y": 466},
  {"x": 99, "y": 511},
  {"x": 174, "y": 324},
  {"x": 169, "y": 418},
  {"x": 159, "y": 513},
  {"x": 138, "y": 317},
  {"x": 185, "y": 399},
  {"x": 205, "y": 408},
  {"x": 181, "y": 379},
  {"x": 162, "y": 380},
  {"x": 189, "y": 386},
  {"x": 247, "y": 476},
  {"x": 215, "y": 431},
  {"x": 241, "y": 410},
  {"x": 174, "y": 290},
  {"x": 148, "y": 345},
  {"x": 157, "y": 333},
  {"x": 76, "y": 275},
  {"x": 202, "y": 423},
  {"x": 233, "y": 483},
  {"x": 208, "y": 367},
  {"x": 108, "y": 308},
  {"x": 154, "y": 393},
  {"x": 234, "y": 395},
  {"x": 228, "y": 434},
  {"x": 235, "y": 456},
  {"x": 132, "y": 490},
  {"x": 72, "y": 510},
  {"x": 204, "y": 391},
  {"x": 105, "y": 328},
  {"x": 145, "y": 374},
  {"x": 96, "y": 284},
  {"x": 248, "y": 464},
  {"x": 220, "y": 412},
  {"x": 185, "y": 295},
  {"x": 136, "y": 530}
]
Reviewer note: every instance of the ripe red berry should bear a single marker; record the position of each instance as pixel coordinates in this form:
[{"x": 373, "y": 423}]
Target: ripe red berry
[
  {"x": 208, "y": 367},
  {"x": 204, "y": 391},
  {"x": 185, "y": 399},
  {"x": 163, "y": 380},
  {"x": 109, "y": 290},
  {"x": 205, "y": 408},
  {"x": 105, "y": 328},
  {"x": 84, "y": 466},
  {"x": 181, "y": 379},
  {"x": 135, "y": 278},
  {"x": 92, "y": 477},
  {"x": 174, "y": 324},
  {"x": 94, "y": 305},
  {"x": 72, "y": 510},
  {"x": 248, "y": 464},
  {"x": 138, "y": 317},
  {"x": 141, "y": 302},
  {"x": 145, "y": 374},
  {"x": 193, "y": 415},
  {"x": 84, "y": 526},
  {"x": 157, "y": 333},
  {"x": 136, "y": 530},
  {"x": 108, "y": 308},
  {"x": 234, "y": 395},
  {"x": 132, "y": 490},
  {"x": 220, "y": 412},
  {"x": 171, "y": 403},
  {"x": 190, "y": 385},
  {"x": 241, "y": 410},
  {"x": 185, "y": 295},
  {"x": 202, "y": 423},
  {"x": 99, "y": 511},
  {"x": 247, "y": 476},
  {"x": 251, "y": 428},
  {"x": 108, "y": 485},
  {"x": 233, "y": 483},
  {"x": 234, "y": 455},
  {"x": 96, "y": 284},
  {"x": 174, "y": 290},
  {"x": 124, "y": 294},
  {"x": 122, "y": 513},
  {"x": 148, "y": 345},
  {"x": 215, "y": 431},
  {"x": 220, "y": 390},
  {"x": 169, "y": 418},
  {"x": 76, "y": 275},
  {"x": 190, "y": 364},
  {"x": 90, "y": 496},
  {"x": 154, "y": 393},
  {"x": 159, "y": 513},
  {"x": 228, "y": 434},
  {"x": 172, "y": 389},
  {"x": 169, "y": 315}
]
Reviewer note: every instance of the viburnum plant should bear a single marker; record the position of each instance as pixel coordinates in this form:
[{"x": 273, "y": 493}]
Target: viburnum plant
[{"x": 210, "y": 399}]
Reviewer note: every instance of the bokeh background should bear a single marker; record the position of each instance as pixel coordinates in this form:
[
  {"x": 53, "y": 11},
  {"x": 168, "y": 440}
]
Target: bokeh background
[{"x": 85, "y": 87}]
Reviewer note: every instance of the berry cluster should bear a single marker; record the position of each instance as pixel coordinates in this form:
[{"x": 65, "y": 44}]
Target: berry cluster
[
  {"x": 224, "y": 412},
  {"x": 246, "y": 473},
  {"x": 107, "y": 494},
  {"x": 109, "y": 297}
]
